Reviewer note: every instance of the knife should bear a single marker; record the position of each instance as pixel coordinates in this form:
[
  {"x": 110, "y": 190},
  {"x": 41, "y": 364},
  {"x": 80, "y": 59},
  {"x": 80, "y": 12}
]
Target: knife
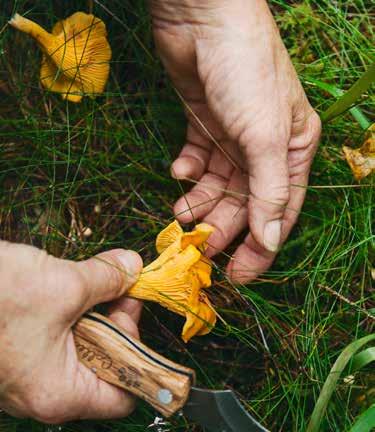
[{"x": 121, "y": 360}]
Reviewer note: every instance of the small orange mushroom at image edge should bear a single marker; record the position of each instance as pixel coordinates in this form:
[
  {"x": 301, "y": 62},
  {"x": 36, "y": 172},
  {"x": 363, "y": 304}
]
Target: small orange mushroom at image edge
[
  {"x": 362, "y": 160},
  {"x": 176, "y": 278},
  {"x": 76, "y": 54}
]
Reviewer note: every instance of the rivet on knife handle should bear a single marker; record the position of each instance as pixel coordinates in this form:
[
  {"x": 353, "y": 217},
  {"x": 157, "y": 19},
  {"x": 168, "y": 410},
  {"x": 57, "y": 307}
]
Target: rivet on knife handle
[{"x": 121, "y": 360}]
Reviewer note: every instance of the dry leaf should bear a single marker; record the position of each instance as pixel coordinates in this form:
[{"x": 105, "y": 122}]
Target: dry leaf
[{"x": 362, "y": 160}]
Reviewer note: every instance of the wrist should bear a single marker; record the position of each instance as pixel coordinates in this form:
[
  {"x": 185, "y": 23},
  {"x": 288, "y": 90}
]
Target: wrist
[{"x": 214, "y": 19}]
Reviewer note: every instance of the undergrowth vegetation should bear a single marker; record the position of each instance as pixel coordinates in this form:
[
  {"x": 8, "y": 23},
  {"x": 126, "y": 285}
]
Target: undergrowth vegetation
[{"x": 80, "y": 179}]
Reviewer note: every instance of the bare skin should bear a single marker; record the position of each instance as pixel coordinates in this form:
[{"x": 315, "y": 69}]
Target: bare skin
[
  {"x": 228, "y": 62},
  {"x": 41, "y": 297}
]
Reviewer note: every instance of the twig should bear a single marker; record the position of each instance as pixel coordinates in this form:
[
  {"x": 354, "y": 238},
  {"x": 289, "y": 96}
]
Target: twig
[{"x": 347, "y": 301}]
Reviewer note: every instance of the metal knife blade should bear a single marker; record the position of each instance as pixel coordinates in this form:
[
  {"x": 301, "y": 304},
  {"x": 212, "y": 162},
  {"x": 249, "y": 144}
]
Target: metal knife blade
[{"x": 219, "y": 411}]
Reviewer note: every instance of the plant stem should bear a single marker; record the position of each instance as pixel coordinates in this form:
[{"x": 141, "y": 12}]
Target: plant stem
[{"x": 331, "y": 381}]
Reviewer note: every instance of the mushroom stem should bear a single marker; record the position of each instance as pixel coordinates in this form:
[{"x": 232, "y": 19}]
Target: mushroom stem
[{"x": 33, "y": 29}]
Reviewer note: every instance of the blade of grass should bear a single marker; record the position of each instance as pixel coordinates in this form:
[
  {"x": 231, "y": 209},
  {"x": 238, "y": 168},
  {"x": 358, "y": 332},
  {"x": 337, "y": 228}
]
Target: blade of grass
[
  {"x": 349, "y": 98},
  {"x": 365, "y": 422},
  {"x": 362, "y": 120},
  {"x": 363, "y": 358},
  {"x": 331, "y": 381}
]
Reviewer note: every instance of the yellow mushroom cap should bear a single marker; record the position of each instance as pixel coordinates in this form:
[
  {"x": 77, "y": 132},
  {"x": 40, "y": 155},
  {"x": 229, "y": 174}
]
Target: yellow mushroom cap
[
  {"x": 176, "y": 278},
  {"x": 75, "y": 55}
]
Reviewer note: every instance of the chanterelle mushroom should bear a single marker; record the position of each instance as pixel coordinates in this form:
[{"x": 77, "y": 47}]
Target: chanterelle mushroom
[
  {"x": 75, "y": 55},
  {"x": 176, "y": 278}
]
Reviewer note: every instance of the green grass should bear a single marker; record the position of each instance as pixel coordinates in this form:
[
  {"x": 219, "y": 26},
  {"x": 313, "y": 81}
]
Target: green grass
[{"x": 104, "y": 164}]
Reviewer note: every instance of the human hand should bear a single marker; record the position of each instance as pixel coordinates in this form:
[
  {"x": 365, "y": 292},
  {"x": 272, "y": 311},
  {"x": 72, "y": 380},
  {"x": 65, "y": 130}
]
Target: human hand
[
  {"x": 41, "y": 297},
  {"x": 251, "y": 133}
]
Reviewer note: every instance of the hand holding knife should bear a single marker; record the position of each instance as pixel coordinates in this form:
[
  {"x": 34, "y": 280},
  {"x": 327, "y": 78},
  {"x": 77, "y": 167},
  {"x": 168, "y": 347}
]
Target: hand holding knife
[{"x": 123, "y": 361}]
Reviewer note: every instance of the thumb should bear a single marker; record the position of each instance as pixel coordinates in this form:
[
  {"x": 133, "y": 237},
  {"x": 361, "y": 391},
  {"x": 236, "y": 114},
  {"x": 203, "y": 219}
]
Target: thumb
[
  {"x": 269, "y": 193},
  {"x": 108, "y": 276}
]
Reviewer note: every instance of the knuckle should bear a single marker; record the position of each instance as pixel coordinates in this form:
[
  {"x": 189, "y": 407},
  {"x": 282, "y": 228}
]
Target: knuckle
[
  {"x": 281, "y": 194},
  {"x": 255, "y": 137},
  {"x": 237, "y": 124},
  {"x": 235, "y": 201},
  {"x": 313, "y": 129},
  {"x": 219, "y": 232},
  {"x": 274, "y": 198},
  {"x": 305, "y": 145},
  {"x": 78, "y": 287},
  {"x": 74, "y": 286},
  {"x": 258, "y": 141},
  {"x": 114, "y": 275},
  {"x": 315, "y": 126},
  {"x": 275, "y": 191},
  {"x": 107, "y": 269}
]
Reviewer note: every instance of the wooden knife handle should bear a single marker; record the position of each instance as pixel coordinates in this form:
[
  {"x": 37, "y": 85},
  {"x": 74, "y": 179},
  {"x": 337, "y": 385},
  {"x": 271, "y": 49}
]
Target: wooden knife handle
[{"x": 119, "y": 359}]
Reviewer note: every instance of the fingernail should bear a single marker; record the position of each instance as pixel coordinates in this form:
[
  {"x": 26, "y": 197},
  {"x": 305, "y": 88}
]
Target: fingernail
[
  {"x": 132, "y": 264},
  {"x": 272, "y": 235}
]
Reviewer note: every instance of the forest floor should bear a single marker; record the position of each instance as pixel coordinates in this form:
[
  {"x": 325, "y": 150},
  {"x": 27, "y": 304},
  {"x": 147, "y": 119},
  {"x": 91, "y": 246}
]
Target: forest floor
[{"x": 104, "y": 164}]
